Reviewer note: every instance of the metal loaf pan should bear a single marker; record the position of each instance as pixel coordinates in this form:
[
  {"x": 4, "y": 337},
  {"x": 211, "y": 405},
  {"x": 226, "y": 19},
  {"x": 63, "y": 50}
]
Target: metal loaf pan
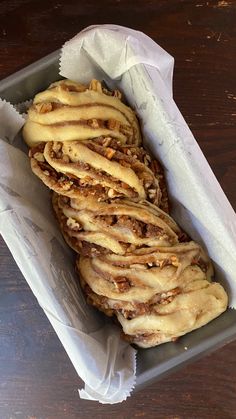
[{"x": 154, "y": 363}]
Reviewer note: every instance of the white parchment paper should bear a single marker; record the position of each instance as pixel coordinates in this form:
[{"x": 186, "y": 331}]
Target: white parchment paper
[
  {"x": 102, "y": 360},
  {"x": 133, "y": 62}
]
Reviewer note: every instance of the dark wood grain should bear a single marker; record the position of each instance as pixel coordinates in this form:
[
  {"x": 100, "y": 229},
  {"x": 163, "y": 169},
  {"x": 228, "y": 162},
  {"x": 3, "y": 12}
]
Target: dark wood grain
[{"x": 37, "y": 380}]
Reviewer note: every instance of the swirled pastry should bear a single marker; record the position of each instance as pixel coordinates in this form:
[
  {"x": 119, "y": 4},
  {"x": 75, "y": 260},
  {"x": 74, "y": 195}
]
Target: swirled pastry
[
  {"x": 157, "y": 294},
  {"x": 101, "y": 168},
  {"x": 69, "y": 111},
  {"x": 91, "y": 227},
  {"x": 111, "y": 201}
]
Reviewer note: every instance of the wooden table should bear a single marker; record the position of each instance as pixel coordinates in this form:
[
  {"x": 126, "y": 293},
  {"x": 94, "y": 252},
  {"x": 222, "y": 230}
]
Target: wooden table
[{"x": 37, "y": 379}]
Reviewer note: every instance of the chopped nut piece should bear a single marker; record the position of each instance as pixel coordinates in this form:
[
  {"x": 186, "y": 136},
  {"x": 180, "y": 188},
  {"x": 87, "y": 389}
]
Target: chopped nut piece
[
  {"x": 67, "y": 185},
  {"x": 106, "y": 141},
  {"x": 117, "y": 94},
  {"x": 147, "y": 184},
  {"x": 73, "y": 224},
  {"x": 57, "y": 146},
  {"x": 95, "y": 85},
  {"x": 174, "y": 261},
  {"x": 93, "y": 123},
  {"x": 39, "y": 157},
  {"x": 110, "y": 153},
  {"x": 112, "y": 124},
  {"x": 107, "y": 92},
  {"x": 168, "y": 297},
  {"x": 122, "y": 283},
  {"x": 94, "y": 251},
  {"x": 152, "y": 193},
  {"x": 43, "y": 107},
  {"x": 111, "y": 193}
]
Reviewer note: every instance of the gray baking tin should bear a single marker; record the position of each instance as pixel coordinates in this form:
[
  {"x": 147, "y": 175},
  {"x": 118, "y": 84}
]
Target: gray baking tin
[{"x": 153, "y": 363}]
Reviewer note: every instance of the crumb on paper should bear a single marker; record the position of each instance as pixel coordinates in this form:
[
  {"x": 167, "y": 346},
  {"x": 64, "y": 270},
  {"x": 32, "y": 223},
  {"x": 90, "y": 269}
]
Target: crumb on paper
[{"x": 224, "y": 3}]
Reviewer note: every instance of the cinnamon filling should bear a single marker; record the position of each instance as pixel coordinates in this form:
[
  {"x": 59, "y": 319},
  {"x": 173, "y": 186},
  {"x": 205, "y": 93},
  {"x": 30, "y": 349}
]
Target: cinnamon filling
[
  {"x": 138, "y": 309},
  {"x": 93, "y": 181},
  {"x": 140, "y": 228},
  {"x": 89, "y": 249}
]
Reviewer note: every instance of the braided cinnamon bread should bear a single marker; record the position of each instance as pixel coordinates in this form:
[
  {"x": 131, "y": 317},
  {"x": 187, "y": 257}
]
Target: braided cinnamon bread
[
  {"x": 157, "y": 294},
  {"x": 111, "y": 202}
]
